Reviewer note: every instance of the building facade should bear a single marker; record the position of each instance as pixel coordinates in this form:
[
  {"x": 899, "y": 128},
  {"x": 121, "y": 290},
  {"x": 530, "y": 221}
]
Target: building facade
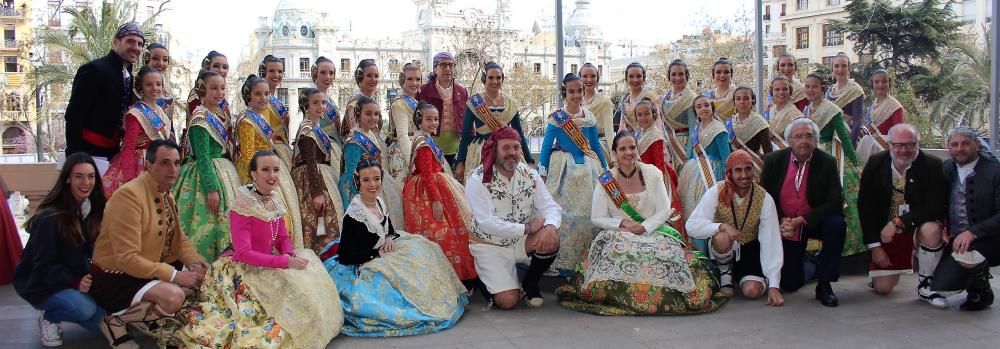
[
  {"x": 300, "y": 31},
  {"x": 17, "y": 111},
  {"x": 802, "y": 28}
]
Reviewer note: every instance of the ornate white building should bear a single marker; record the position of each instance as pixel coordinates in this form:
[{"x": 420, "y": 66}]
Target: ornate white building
[{"x": 300, "y": 31}]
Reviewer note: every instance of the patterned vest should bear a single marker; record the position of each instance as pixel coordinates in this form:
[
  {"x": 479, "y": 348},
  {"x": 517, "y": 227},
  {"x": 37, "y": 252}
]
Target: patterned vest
[
  {"x": 743, "y": 214},
  {"x": 958, "y": 216},
  {"x": 513, "y": 201}
]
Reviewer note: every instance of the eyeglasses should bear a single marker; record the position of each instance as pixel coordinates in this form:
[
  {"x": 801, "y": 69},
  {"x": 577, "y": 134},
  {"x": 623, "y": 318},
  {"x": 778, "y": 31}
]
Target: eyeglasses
[
  {"x": 907, "y": 146},
  {"x": 804, "y": 136},
  {"x": 446, "y": 65}
]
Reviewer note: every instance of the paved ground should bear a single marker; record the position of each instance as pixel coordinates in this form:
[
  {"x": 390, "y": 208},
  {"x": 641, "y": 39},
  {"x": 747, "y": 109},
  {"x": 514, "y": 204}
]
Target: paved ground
[{"x": 864, "y": 320}]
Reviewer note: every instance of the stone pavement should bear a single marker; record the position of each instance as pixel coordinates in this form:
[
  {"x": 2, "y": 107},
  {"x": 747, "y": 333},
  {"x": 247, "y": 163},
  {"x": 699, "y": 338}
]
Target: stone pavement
[{"x": 863, "y": 320}]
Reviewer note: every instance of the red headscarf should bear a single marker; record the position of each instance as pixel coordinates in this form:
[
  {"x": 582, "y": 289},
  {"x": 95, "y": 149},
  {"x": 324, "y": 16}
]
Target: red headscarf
[
  {"x": 736, "y": 159},
  {"x": 489, "y": 149}
]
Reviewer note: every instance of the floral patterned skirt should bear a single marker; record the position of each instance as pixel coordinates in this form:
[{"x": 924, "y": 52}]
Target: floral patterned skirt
[
  {"x": 619, "y": 291},
  {"x": 572, "y": 187},
  {"x": 115, "y": 176},
  {"x": 230, "y": 312},
  {"x": 208, "y": 233},
  {"x": 451, "y": 233}
]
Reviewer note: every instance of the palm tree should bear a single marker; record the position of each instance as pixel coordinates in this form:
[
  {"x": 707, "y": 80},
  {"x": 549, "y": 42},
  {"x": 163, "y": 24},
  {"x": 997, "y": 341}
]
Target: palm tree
[
  {"x": 88, "y": 37},
  {"x": 964, "y": 85}
]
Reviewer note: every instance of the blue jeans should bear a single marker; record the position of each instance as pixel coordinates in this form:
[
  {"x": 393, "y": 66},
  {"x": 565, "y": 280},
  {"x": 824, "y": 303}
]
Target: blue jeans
[{"x": 73, "y": 306}]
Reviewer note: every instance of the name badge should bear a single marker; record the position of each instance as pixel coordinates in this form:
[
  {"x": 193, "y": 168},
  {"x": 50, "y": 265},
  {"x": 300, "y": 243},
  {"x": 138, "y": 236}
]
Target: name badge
[{"x": 904, "y": 209}]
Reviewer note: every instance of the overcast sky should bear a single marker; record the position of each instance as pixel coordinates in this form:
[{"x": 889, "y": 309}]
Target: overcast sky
[{"x": 226, "y": 25}]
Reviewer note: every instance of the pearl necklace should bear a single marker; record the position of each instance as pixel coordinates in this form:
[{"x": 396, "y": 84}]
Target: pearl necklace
[{"x": 271, "y": 224}]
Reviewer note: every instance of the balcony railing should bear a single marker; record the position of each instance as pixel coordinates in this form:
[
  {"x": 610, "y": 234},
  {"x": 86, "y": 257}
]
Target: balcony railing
[
  {"x": 12, "y": 80},
  {"x": 14, "y": 115},
  {"x": 10, "y": 12},
  {"x": 9, "y": 43}
]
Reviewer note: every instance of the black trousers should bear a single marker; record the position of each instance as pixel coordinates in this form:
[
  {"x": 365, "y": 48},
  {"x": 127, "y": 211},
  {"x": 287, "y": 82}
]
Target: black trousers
[
  {"x": 951, "y": 276},
  {"x": 832, "y": 231}
]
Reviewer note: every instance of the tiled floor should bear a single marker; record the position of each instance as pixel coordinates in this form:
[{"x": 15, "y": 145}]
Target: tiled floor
[{"x": 864, "y": 320}]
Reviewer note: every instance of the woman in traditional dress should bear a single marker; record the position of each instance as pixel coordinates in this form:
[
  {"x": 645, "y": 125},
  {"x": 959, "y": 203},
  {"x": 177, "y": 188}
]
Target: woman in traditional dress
[
  {"x": 366, "y": 77},
  {"x": 144, "y": 122},
  {"x": 215, "y": 62},
  {"x": 722, "y": 93},
  {"x": 635, "y": 77},
  {"x": 653, "y": 150},
  {"x": 678, "y": 114},
  {"x": 848, "y": 95},
  {"x": 834, "y": 139},
  {"x": 747, "y": 129},
  {"x": 434, "y": 201},
  {"x": 706, "y": 158},
  {"x": 262, "y": 293},
  {"x": 208, "y": 179},
  {"x": 273, "y": 70},
  {"x": 599, "y": 104},
  {"x": 484, "y": 113},
  {"x": 782, "y": 112},
  {"x": 323, "y": 73},
  {"x": 571, "y": 159},
  {"x": 218, "y": 63},
  {"x": 391, "y": 283},
  {"x": 363, "y": 143},
  {"x": 638, "y": 264},
  {"x": 787, "y": 67},
  {"x": 319, "y": 200},
  {"x": 253, "y": 133},
  {"x": 884, "y": 113},
  {"x": 157, "y": 57},
  {"x": 401, "y": 127}
]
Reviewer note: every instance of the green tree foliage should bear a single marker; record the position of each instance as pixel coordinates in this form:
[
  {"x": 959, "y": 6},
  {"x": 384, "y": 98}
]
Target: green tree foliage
[{"x": 903, "y": 37}]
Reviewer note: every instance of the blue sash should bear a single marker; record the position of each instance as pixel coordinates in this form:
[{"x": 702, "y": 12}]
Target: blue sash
[
  {"x": 164, "y": 102},
  {"x": 435, "y": 148},
  {"x": 261, "y": 123},
  {"x": 323, "y": 138},
  {"x": 331, "y": 111},
  {"x": 217, "y": 125},
  {"x": 410, "y": 102},
  {"x": 729, "y": 128},
  {"x": 868, "y": 116},
  {"x": 150, "y": 115},
  {"x": 694, "y": 136},
  {"x": 366, "y": 143},
  {"x": 280, "y": 107},
  {"x": 223, "y": 104}
]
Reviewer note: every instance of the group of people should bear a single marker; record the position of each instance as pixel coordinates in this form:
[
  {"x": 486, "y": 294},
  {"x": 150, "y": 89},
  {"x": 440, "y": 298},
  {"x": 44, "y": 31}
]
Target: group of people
[{"x": 245, "y": 235}]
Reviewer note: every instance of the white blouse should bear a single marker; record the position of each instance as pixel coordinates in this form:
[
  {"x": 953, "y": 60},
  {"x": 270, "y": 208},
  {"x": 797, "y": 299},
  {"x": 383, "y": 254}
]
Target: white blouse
[{"x": 653, "y": 204}]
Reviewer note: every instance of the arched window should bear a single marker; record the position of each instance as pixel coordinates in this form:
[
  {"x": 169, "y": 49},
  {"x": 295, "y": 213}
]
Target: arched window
[{"x": 15, "y": 141}]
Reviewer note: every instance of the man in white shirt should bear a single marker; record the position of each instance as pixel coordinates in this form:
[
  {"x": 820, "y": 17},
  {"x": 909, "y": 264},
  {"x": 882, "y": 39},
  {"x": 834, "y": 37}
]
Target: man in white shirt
[
  {"x": 516, "y": 221},
  {"x": 740, "y": 219}
]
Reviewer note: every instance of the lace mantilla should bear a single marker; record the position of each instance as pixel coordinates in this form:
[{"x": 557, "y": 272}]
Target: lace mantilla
[{"x": 247, "y": 204}]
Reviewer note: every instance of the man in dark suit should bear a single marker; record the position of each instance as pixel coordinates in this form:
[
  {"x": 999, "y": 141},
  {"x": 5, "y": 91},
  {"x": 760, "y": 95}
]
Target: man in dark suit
[
  {"x": 806, "y": 189},
  {"x": 973, "y": 182},
  {"x": 902, "y": 192},
  {"x": 102, "y": 92}
]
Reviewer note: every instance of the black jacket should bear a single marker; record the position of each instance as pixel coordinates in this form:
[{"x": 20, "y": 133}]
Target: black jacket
[
  {"x": 823, "y": 190},
  {"x": 97, "y": 106},
  {"x": 50, "y": 263},
  {"x": 357, "y": 243},
  {"x": 982, "y": 190},
  {"x": 925, "y": 193}
]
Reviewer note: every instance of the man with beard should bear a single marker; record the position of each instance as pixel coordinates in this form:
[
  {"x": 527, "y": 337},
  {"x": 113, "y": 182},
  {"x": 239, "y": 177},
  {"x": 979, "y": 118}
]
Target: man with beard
[
  {"x": 973, "y": 221},
  {"x": 137, "y": 275},
  {"x": 740, "y": 220},
  {"x": 102, "y": 92},
  {"x": 515, "y": 221},
  {"x": 449, "y": 97},
  {"x": 803, "y": 181},
  {"x": 902, "y": 194}
]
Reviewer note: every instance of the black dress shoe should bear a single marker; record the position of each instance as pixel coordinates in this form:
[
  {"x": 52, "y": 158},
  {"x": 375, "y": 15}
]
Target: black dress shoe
[{"x": 824, "y": 293}]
